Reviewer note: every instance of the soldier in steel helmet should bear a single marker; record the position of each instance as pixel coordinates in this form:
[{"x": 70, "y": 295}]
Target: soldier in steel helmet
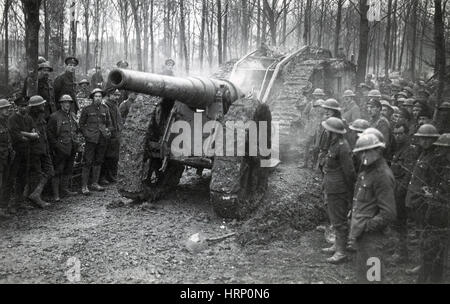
[
  {"x": 41, "y": 166},
  {"x": 338, "y": 181},
  {"x": 62, "y": 136},
  {"x": 6, "y": 155},
  {"x": 415, "y": 197},
  {"x": 403, "y": 160},
  {"x": 373, "y": 207},
  {"x": 435, "y": 235},
  {"x": 45, "y": 88}
]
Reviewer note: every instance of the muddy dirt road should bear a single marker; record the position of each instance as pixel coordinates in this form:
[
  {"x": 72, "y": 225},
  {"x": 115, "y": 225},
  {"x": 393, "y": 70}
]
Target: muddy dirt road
[{"x": 147, "y": 244}]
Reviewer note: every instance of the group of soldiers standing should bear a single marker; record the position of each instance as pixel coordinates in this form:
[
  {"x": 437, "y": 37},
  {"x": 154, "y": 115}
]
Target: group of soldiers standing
[
  {"x": 384, "y": 161},
  {"x": 41, "y": 137}
]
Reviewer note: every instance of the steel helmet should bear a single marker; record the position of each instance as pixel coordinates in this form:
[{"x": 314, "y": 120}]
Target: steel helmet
[
  {"x": 396, "y": 110},
  {"x": 427, "y": 130},
  {"x": 374, "y": 93},
  {"x": 444, "y": 105},
  {"x": 375, "y": 132},
  {"x": 409, "y": 90},
  {"x": 97, "y": 90},
  {"x": 386, "y": 104},
  {"x": 349, "y": 93},
  {"x": 443, "y": 140},
  {"x": 409, "y": 102},
  {"x": 41, "y": 59},
  {"x": 367, "y": 142},
  {"x": 36, "y": 100},
  {"x": 66, "y": 98},
  {"x": 318, "y": 103},
  {"x": 332, "y": 104},
  {"x": 359, "y": 125},
  {"x": 318, "y": 92},
  {"x": 83, "y": 81},
  {"x": 4, "y": 103},
  {"x": 45, "y": 65},
  {"x": 72, "y": 60},
  {"x": 402, "y": 94},
  {"x": 335, "y": 125}
]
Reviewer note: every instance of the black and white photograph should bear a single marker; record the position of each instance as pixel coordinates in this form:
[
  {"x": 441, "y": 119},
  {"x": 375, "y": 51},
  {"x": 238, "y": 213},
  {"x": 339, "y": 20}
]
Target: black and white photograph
[{"x": 224, "y": 144}]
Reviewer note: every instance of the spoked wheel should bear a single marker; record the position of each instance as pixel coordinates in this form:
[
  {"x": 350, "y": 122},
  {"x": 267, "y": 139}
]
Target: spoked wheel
[{"x": 238, "y": 183}]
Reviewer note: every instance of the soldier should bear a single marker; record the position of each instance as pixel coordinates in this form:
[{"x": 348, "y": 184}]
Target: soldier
[
  {"x": 109, "y": 168},
  {"x": 435, "y": 237},
  {"x": 94, "y": 124},
  {"x": 387, "y": 110},
  {"x": 369, "y": 82},
  {"x": 352, "y": 111},
  {"x": 443, "y": 117},
  {"x": 380, "y": 123},
  {"x": 331, "y": 109},
  {"x": 122, "y": 64},
  {"x": 356, "y": 127},
  {"x": 403, "y": 160},
  {"x": 408, "y": 104},
  {"x": 415, "y": 197},
  {"x": 395, "y": 115},
  {"x": 6, "y": 155},
  {"x": 97, "y": 78},
  {"x": 313, "y": 115},
  {"x": 124, "y": 107},
  {"x": 45, "y": 88},
  {"x": 338, "y": 181},
  {"x": 168, "y": 67},
  {"x": 373, "y": 206},
  {"x": 409, "y": 91},
  {"x": 21, "y": 130},
  {"x": 41, "y": 167},
  {"x": 83, "y": 89},
  {"x": 65, "y": 83},
  {"x": 397, "y": 97},
  {"x": 62, "y": 129},
  {"x": 418, "y": 106}
]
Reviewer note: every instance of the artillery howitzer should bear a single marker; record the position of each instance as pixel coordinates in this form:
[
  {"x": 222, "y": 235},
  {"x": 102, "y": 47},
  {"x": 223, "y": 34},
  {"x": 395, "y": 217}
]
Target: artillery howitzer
[{"x": 153, "y": 158}]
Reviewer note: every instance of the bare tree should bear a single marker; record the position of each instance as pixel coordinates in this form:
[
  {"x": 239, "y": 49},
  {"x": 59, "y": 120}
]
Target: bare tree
[
  {"x": 32, "y": 24},
  {"x": 363, "y": 41}
]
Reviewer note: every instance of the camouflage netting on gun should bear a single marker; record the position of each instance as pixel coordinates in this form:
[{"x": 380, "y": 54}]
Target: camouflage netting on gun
[
  {"x": 224, "y": 71},
  {"x": 293, "y": 203},
  {"x": 132, "y": 170}
]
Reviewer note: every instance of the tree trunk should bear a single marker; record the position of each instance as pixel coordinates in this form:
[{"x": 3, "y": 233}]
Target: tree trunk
[
  {"x": 32, "y": 24},
  {"x": 285, "y": 8},
  {"x": 6, "y": 22},
  {"x": 86, "y": 32},
  {"x": 338, "y": 27},
  {"x": 307, "y": 23},
  {"x": 135, "y": 7},
  {"x": 202, "y": 32},
  {"x": 219, "y": 32},
  {"x": 258, "y": 23},
  {"x": 73, "y": 28},
  {"x": 320, "y": 34},
  {"x": 424, "y": 27},
  {"x": 97, "y": 28},
  {"x": 183, "y": 38},
  {"x": 145, "y": 14},
  {"x": 387, "y": 41},
  {"x": 225, "y": 31},
  {"x": 245, "y": 26},
  {"x": 405, "y": 30},
  {"x": 413, "y": 41},
  {"x": 46, "y": 29},
  {"x": 152, "y": 37},
  {"x": 363, "y": 41},
  {"x": 439, "y": 38}
]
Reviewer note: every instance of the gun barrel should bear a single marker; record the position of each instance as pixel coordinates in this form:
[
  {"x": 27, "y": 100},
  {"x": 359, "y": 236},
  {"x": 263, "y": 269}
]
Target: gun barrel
[{"x": 196, "y": 92}]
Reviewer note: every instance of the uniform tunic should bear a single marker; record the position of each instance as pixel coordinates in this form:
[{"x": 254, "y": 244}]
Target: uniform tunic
[{"x": 373, "y": 210}]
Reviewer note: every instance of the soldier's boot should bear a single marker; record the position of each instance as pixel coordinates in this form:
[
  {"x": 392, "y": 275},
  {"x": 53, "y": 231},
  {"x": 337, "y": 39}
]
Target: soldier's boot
[
  {"x": 339, "y": 256},
  {"x": 65, "y": 186},
  {"x": 330, "y": 250},
  {"x": 95, "y": 176},
  {"x": 84, "y": 180},
  {"x": 55, "y": 188},
  {"x": 111, "y": 171},
  {"x": 35, "y": 196}
]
